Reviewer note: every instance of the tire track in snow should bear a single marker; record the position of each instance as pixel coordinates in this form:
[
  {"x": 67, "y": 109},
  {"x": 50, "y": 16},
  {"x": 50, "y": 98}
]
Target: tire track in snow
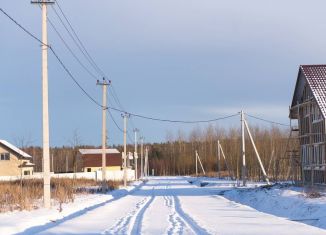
[
  {"x": 131, "y": 223},
  {"x": 176, "y": 224},
  {"x": 193, "y": 225},
  {"x": 180, "y": 222}
]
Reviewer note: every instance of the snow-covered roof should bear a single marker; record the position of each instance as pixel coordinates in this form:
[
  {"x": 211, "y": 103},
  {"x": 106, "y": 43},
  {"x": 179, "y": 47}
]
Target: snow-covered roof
[
  {"x": 97, "y": 151},
  {"x": 15, "y": 149},
  {"x": 315, "y": 76}
]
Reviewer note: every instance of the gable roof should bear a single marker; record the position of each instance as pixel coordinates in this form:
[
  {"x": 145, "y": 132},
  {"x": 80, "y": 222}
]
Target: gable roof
[
  {"x": 97, "y": 151},
  {"x": 315, "y": 76},
  {"x": 15, "y": 149}
]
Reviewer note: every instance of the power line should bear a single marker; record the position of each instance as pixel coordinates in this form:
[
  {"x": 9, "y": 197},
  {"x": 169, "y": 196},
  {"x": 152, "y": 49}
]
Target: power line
[
  {"x": 74, "y": 40},
  {"x": 175, "y": 121},
  {"x": 71, "y": 51},
  {"x": 90, "y": 59},
  {"x": 82, "y": 45},
  {"x": 19, "y": 25},
  {"x": 116, "y": 124},
  {"x": 95, "y": 101},
  {"x": 265, "y": 120},
  {"x": 56, "y": 56}
]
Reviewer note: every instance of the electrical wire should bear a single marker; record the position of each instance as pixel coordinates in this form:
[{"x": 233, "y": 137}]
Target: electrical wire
[
  {"x": 95, "y": 101},
  {"x": 70, "y": 50},
  {"x": 96, "y": 67},
  {"x": 90, "y": 59},
  {"x": 174, "y": 121},
  {"x": 265, "y": 120},
  {"x": 74, "y": 39},
  {"x": 56, "y": 56}
]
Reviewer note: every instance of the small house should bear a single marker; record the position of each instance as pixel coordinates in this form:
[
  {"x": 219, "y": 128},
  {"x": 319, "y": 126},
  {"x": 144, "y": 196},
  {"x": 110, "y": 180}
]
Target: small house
[
  {"x": 13, "y": 161},
  {"x": 309, "y": 108},
  {"x": 92, "y": 159}
]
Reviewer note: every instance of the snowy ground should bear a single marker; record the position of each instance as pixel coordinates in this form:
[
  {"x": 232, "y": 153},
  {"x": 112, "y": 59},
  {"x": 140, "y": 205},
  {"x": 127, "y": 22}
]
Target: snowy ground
[{"x": 164, "y": 205}]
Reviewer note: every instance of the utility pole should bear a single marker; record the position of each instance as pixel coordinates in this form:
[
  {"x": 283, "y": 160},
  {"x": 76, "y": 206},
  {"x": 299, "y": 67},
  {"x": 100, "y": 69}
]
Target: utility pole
[
  {"x": 45, "y": 104},
  {"x": 52, "y": 162},
  {"x": 141, "y": 157},
  {"x": 125, "y": 116},
  {"x": 243, "y": 149},
  {"x": 66, "y": 163},
  {"x": 226, "y": 163},
  {"x": 256, "y": 152},
  {"x": 146, "y": 162},
  {"x": 201, "y": 165},
  {"x": 218, "y": 159},
  {"x": 104, "y": 85},
  {"x": 135, "y": 154},
  {"x": 196, "y": 163}
]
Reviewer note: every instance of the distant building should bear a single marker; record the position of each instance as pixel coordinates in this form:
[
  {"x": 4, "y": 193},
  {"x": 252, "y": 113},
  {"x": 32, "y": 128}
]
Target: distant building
[
  {"x": 309, "y": 108},
  {"x": 92, "y": 159},
  {"x": 13, "y": 161}
]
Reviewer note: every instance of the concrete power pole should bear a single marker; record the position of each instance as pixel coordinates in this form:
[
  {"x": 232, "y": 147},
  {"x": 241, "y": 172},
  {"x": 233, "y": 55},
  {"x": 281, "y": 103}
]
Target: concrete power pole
[
  {"x": 196, "y": 163},
  {"x": 135, "y": 154},
  {"x": 218, "y": 159},
  {"x": 104, "y": 85},
  {"x": 45, "y": 105},
  {"x": 141, "y": 157},
  {"x": 125, "y": 116},
  {"x": 146, "y": 162},
  {"x": 243, "y": 149}
]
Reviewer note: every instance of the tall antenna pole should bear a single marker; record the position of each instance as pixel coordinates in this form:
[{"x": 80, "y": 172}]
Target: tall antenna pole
[
  {"x": 45, "y": 105},
  {"x": 135, "y": 154},
  {"x": 104, "y": 85},
  {"x": 125, "y": 116},
  {"x": 142, "y": 157},
  {"x": 243, "y": 149}
]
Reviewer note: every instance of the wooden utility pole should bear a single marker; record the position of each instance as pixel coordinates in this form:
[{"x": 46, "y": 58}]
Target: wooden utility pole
[
  {"x": 125, "y": 116},
  {"x": 45, "y": 104},
  {"x": 141, "y": 157},
  {"x": 135, "y": 154},
  {"x": 243, "y": 150},
  {"x": 104, "y": 85}
]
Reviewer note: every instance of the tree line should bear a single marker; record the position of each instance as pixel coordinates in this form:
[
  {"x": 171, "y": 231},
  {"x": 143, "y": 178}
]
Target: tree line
[{"x": 176, "y": 155}]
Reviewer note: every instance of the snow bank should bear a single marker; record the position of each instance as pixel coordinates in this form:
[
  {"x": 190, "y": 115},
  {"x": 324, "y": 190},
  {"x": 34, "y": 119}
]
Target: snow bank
[
  {"x": 284, "y": 201},
  {"x": 29, "y": 222}
]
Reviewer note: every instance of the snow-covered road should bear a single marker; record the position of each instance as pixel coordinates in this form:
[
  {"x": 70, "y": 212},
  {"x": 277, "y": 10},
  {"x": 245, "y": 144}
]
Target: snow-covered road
[{"x": 171, "y": 205}]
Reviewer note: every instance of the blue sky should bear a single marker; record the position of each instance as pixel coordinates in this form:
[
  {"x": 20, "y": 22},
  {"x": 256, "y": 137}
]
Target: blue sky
[{"x": 177, "y": 59}]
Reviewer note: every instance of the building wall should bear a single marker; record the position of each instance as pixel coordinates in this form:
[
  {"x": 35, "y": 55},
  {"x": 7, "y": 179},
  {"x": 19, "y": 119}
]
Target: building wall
[
  {"x": 95, "y": 160},
  {"x": 312, "y": 139},
  {"x": 10, "y": 167},
  {"x": 109, "y": 168}
]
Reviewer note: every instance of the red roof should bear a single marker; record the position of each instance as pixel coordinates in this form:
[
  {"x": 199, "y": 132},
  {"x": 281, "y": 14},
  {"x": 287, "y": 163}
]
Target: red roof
[{"x": 315, "y": 77}]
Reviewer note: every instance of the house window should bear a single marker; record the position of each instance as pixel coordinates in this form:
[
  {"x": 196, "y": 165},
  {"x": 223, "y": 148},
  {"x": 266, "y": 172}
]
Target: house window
[
  {"x": 27, "y": 172},
  {"x": 4, "y": 156},
  {"x": 89, "y": 169}
]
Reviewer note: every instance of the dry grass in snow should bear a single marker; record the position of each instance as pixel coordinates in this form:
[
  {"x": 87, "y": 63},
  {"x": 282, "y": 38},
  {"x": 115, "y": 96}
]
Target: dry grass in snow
[{"x": 28, "y": 194}]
